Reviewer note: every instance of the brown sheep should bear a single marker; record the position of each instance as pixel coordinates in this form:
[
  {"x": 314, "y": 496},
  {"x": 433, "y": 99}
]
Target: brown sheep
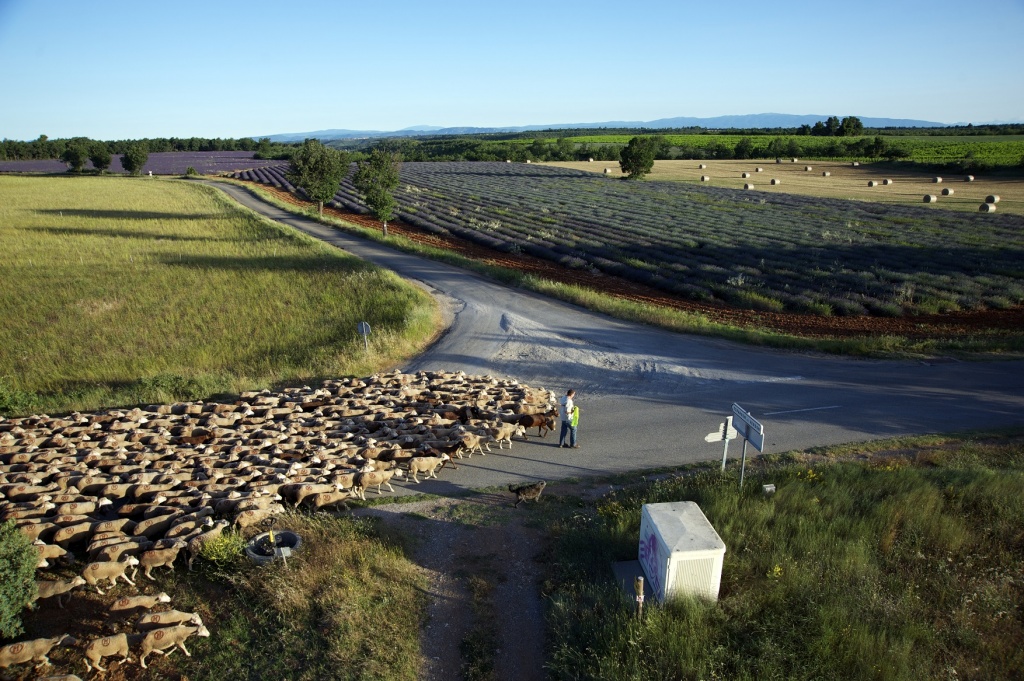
[
  {"x": 155, "y": 558},
  {"x": 105, "y": 646},
  {"x": 544, "y": 423},
  {"x": 167, "y": 618},
  {"x": 170, "y": 637},
  {"x": 371, "y": 478},
  {"x": 426, "y": 464},
  {"x": 110, "y": 569},
  {"x": 57, "y": 587},
  {"x": 36, "y": 649}
]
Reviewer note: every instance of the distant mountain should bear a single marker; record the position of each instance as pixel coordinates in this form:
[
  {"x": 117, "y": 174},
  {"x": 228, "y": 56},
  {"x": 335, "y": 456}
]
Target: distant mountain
[{"x": 764, "y": 120}]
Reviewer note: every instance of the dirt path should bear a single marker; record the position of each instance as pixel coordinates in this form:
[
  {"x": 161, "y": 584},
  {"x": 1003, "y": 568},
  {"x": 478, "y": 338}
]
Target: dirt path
[{"x": 485, "y": 610}]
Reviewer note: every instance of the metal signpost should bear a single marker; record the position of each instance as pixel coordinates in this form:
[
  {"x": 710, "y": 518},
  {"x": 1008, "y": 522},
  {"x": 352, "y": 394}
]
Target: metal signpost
[
  {"x": 364, "y": 331},
  {"x": 751, "y": 430}
]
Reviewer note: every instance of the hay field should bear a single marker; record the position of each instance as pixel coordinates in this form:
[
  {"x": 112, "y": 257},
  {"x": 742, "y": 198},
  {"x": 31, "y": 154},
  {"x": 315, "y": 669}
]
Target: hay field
[
  {"x": 845, "y": 181},
  {"x": 126, "y": 290}
]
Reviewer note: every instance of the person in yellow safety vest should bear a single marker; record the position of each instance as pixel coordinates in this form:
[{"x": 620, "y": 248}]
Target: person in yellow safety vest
[{"x": 573, "y": 423}]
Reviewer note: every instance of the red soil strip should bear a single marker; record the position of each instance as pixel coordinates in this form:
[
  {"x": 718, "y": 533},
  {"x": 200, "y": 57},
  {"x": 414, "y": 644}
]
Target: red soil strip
[{"x": 938, "y": 326}]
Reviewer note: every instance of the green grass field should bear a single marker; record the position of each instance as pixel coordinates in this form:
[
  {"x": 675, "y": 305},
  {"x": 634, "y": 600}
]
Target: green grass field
[
  {"x": 120, "y": 291},
  {"x": 905, "y": 566}
]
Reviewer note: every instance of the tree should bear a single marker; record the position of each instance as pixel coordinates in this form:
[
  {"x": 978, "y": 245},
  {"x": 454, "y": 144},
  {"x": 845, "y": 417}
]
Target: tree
[
  {"x": 100, "y": 156},
  {"x": 376, "y": 179},
  {"x": 743, "y": 149},
  {"x": 832, "y": 124},
  {"x": 134, "y": 158},
  {"x": 75, "y": 156},
  {"x": 637, "y": 159},
  {"x": 18, "y": 560},
  {"x": 851, "y": 127},
  {"x": 318, "y": 170}
]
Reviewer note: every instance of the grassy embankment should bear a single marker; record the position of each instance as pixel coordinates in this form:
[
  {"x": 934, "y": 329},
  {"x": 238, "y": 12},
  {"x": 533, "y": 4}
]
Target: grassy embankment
[
  {"x": 679, "y": 320},
  {"x": 903, "y": 561},
  {"x": 136, "y": 290}
]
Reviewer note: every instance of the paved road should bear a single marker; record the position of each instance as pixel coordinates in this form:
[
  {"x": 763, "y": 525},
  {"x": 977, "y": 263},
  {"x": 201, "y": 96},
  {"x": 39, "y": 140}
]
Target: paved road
[{"x": 648, "y": 397}]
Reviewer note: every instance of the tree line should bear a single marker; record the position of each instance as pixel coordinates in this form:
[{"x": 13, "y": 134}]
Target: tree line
[{"x": 45, "y": 148}]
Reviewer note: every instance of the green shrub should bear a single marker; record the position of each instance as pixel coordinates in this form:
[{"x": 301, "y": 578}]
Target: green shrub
[
  {"x": 18, "y": 561},
  {"x": 191, "y": 172},
  {"x": 225, "y": 550}
]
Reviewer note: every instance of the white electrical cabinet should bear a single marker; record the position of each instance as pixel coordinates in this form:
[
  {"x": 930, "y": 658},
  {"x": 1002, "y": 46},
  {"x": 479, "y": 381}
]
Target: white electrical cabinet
[{"x": 680, "y": 552}]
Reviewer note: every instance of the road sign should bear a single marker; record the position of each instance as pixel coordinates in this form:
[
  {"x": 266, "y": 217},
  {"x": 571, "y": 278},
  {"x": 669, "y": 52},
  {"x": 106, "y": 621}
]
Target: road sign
[
  {"x": 748, "y": 427},
  {"x": 364, "y": 330}
]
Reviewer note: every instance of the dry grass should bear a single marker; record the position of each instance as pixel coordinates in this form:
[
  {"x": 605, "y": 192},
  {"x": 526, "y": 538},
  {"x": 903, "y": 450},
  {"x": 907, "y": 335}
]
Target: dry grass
[{"x": 846, "y": 181}]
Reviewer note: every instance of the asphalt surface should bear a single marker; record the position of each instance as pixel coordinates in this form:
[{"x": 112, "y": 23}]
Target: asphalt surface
[{"x": 649, "y": 397}]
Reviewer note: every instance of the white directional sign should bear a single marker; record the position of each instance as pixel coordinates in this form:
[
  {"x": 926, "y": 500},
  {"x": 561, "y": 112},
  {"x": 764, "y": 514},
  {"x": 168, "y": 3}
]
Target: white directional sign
[{"x": 748, "y": 427}]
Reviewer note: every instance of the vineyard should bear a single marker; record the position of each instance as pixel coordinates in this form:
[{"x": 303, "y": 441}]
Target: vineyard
[{"x": 772, "y": 252}]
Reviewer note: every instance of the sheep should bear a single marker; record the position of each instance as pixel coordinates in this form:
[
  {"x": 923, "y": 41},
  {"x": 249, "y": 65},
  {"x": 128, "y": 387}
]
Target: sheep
[
  {"x": 181, "y": 529},
  {"x": 296, "y": 493},
  {"x": 472, "y": 442},
  {"x": 504, "y": 432},
  {"x": 195, "y": 545},
  {"x": 426, "y": 464},
  {"x": 57, "y": 587},
  {"x": 130, "y": 605},
  {"x": 113, "y": 552},
  {"x": 378, "y": 478},
  {"x": 105, "y": 646},
  {"x": 110, "y": 569},
  {"x": 160, "y": 558},
  {"x": 326, "y": 499},
  {"x": 167, "y": 618},
  {"x": 75, "y": 507},
  {"x": 255, "y": 516},
  {"x": 160, "y": 639},
  {"x": 49, "y": 551},
  {"x": 36, "y": 650}
]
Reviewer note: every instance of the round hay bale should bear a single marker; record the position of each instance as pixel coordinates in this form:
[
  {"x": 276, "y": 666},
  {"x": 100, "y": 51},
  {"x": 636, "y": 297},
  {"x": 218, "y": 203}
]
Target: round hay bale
[
  {"x": 969, "y": 178},
  {"x": 936, "y": 180},
  {"x": 590, "y": 160},
  {"x": 705, "y": 178},
  {"x": 748, "y": 186},
  {"x": 508, "y": 160},
  {"x": 776, "y": 181},
  {"x": 778, "y": 160},
  {"x": 529, "y": 161},
  {"x": 991, "y": 198},
  {"x": 887, "y": 181},
  {"x": 795, "y": 159},
  {"x": 826, "y": 174},
  {"x": 947, "y": 192},
  {"x": 758, "y": 170},
  {"x": 987, "y": 208},
  {"x": 607, "y": 171},
  {"x": 701, "y": 166},
  {"x": 745, "y": 175},
  {"x": 930, "y": 198},
  {"x": 808, "y": 168},
  {"x": 872, "y": 183},
  {"x": 855, "y": 164}
]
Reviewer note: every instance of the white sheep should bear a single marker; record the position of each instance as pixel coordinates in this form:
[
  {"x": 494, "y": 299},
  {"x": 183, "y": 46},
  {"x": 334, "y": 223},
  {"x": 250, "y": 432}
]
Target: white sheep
[
  {"x": 36, "y": 649},
  {"x": 105, "y": 646},
  {"x": 426, "y": 464},
  {"x": 57, "y": 587},
  {"x": 167, "y": 618}
]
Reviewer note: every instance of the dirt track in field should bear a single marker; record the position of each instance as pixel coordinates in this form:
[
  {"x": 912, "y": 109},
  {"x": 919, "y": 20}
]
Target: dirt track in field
[{"x": 957, "y": 324}]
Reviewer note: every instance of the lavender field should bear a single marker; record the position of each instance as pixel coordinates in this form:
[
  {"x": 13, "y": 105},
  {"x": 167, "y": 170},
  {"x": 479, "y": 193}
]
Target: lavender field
[
  {"x": 160, "y": 163},
  {"x": 754, "y": 250}
]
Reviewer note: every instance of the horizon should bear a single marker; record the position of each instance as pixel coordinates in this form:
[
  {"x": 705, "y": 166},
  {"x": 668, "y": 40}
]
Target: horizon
[{"x": 120, "y": 70}]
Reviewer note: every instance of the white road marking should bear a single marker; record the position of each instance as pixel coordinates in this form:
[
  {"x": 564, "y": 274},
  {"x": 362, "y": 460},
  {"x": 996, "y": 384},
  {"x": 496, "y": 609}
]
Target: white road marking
[{"x": 794, "y": 411}]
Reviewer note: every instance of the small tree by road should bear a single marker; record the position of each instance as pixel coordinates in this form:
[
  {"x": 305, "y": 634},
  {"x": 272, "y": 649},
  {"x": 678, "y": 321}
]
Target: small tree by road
[
  {"x": 133, "y": 160},
  {"x": 637, "y": 159},
  {"x": 318, "y": 170},
  {"x": 376, "y": 179}
]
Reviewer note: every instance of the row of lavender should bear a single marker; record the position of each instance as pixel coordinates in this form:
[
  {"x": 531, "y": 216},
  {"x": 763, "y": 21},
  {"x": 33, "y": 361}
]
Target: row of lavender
[
  {"x": 159, "y": 163},
  {"x": 772, "y": 251}
]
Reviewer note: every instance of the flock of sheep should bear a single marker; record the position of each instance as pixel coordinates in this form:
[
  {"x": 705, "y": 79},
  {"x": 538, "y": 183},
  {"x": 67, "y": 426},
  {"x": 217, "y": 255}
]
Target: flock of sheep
[{"x": 132, "y": 490}]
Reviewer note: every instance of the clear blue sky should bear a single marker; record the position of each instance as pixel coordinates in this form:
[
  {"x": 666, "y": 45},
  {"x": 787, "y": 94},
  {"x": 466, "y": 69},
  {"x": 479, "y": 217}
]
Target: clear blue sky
[{"x": 220, "y": 68}]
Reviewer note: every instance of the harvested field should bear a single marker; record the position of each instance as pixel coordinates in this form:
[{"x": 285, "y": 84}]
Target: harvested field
[{"x": 846, "y": 181}]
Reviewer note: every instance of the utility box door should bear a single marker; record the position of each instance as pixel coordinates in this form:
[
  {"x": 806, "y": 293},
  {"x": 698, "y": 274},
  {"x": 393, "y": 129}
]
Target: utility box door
[{"x": 680, "y": 552}]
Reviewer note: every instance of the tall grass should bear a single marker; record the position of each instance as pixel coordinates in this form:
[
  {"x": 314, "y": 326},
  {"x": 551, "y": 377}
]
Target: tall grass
[
  {"x": 884, "y": 571},
  {"x": 121, "y": 290},
  {"x": 348, "y": 605}
]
